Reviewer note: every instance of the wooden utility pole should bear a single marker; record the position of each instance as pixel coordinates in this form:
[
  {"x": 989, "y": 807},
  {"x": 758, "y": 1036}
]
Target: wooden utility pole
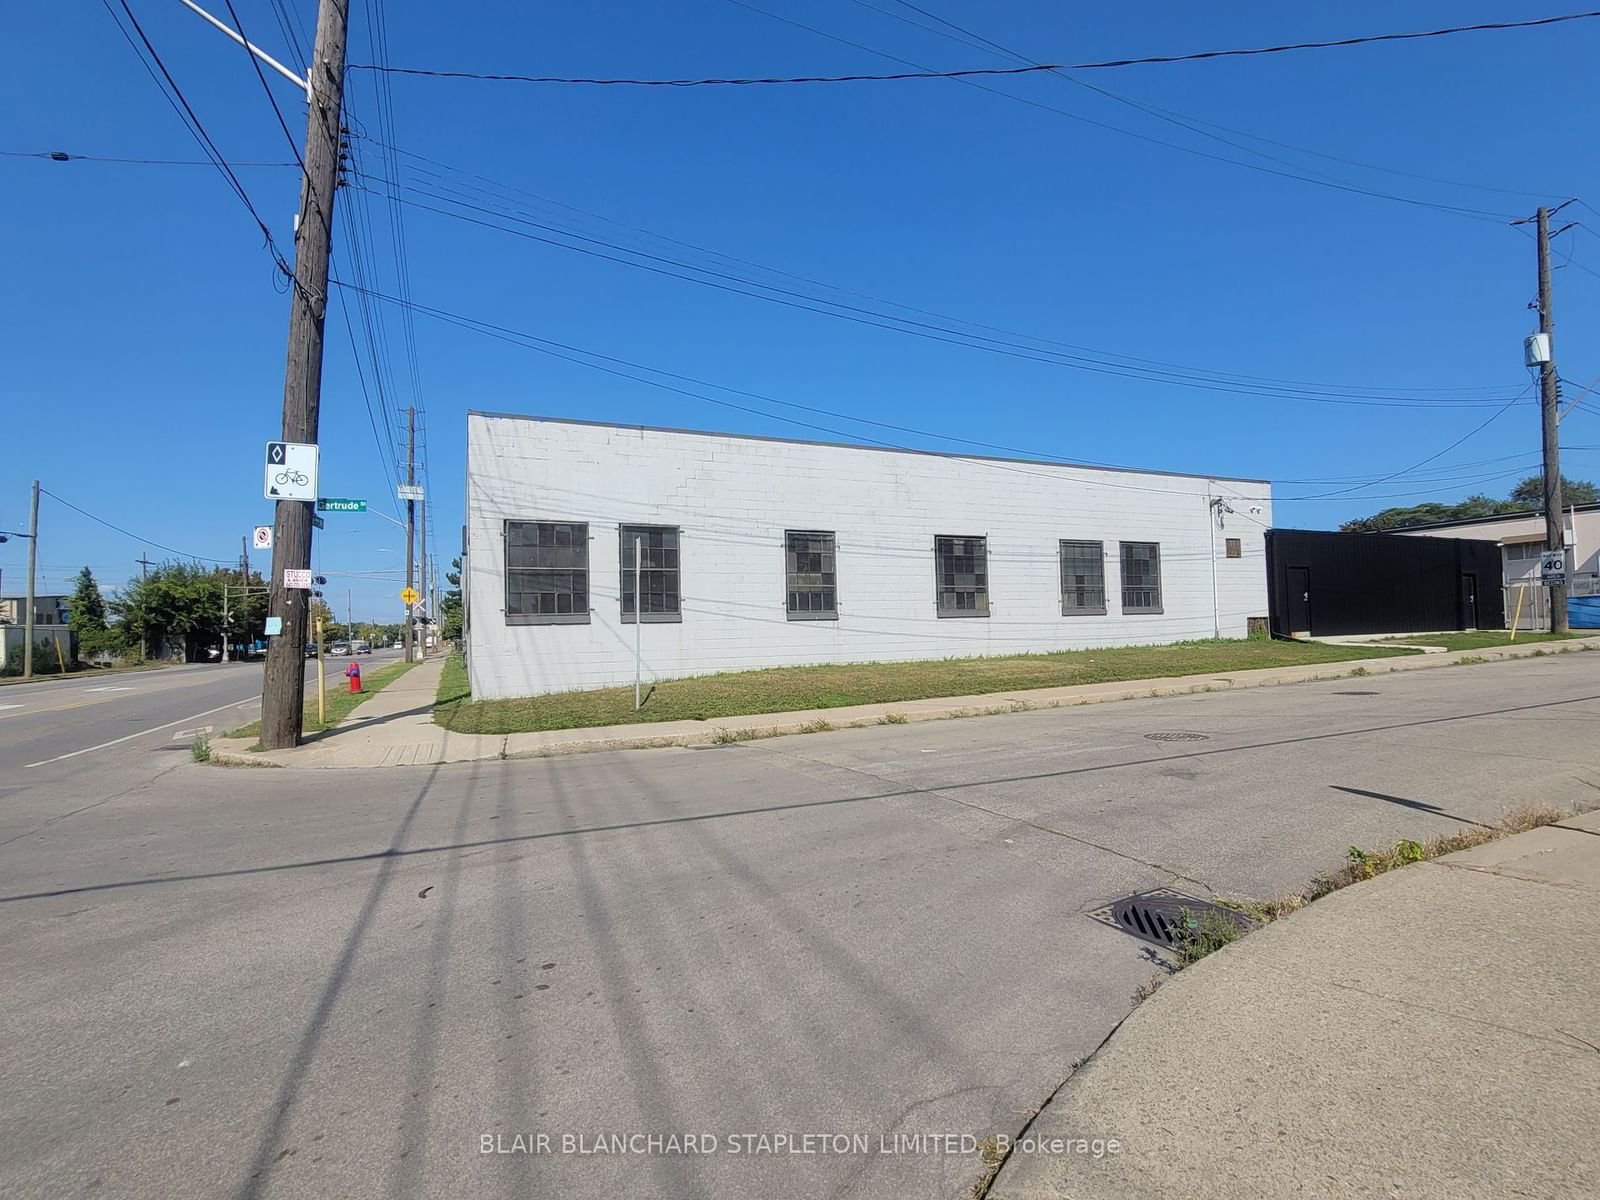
[
  {"x": 33, "y": 565},
  {"x": 411, "y": 525},
  {"x": 1550, "y": 416},
  {"x": 283, "y": 684},
  {"x": 422, "y": 575}
]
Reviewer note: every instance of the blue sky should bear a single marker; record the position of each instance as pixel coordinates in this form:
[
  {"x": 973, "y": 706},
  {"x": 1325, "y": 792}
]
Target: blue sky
[{"x": 145, "y": 333}]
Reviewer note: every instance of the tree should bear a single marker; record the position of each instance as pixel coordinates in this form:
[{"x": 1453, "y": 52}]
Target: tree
[
  {"x": 1530, "y": 492},
  {"x": 321, "y": 612},
  {"x": 450, "y": 608},
  {"x": 184, "y": 601},
  {"x": 1527, "y": 494},
  {"x": 87, "y": 613}
]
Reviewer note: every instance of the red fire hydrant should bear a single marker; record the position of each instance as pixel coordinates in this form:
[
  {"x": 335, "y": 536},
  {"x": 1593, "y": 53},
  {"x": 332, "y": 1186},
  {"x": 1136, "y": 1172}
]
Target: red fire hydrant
[{"x": 353, "y": 673}]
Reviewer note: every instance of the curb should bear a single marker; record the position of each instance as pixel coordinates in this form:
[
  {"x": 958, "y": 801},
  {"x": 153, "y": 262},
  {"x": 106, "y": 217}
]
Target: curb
[{"x": 729, "y": 730}]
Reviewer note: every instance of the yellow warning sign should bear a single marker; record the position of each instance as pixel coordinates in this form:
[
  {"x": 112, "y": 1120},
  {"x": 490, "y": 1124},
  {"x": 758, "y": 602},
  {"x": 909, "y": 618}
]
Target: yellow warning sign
[{"x": 409, "y": 597}]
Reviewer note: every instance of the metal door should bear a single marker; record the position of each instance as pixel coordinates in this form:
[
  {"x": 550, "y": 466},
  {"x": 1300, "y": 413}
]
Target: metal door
[
  {"x": 1299, "y": 601},
  {"x": 1469, "y": 600}
]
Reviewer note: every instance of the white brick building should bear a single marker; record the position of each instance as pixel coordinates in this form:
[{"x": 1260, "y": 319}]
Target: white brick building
[{"x": 761, "y": 552}]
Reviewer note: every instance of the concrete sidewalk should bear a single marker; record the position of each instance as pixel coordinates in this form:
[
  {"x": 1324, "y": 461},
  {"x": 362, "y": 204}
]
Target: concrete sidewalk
[
  {"x": 1429, "y": 1033},
  {"x": 395, "y": 727}
]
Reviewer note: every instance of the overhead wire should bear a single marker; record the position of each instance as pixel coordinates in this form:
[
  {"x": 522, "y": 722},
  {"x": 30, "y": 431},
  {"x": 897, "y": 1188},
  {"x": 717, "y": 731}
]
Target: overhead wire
[
  {"x": 789, "y": 298},
  {"x": 1318, "y": 180},
  {"x": 129, "y": 534},
  {"x": 928, "y": 73},
  {"x": 180, "y": 105},
  {"x": 489, "y": 186}
]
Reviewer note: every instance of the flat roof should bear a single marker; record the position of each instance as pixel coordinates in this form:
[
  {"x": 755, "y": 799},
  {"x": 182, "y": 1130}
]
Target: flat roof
[
  {"x": 1520, "y": 514},
  {"x": 758, "y": 437}
]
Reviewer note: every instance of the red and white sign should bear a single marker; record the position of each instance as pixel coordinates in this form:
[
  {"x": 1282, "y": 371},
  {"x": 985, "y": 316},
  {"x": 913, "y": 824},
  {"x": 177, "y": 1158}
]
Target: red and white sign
[{"x": 293, "y": 578}]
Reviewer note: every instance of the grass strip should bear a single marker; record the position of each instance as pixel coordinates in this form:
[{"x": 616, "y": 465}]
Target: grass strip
[
  {"x": 791, "y": 689},
  {"x": 340, "y": 703}
]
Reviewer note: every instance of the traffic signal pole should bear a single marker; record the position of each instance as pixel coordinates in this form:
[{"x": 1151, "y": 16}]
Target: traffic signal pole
[{"x": 283, "y": 685}]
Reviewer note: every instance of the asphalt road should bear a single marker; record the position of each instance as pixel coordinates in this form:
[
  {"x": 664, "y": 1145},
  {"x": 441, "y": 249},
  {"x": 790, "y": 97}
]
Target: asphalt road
[
  {"x": 253, "y": 983},
  {"x": 78, "y": 716}
]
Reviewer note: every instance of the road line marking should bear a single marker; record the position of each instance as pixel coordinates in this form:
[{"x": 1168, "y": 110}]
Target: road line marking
[
  {"x": 108, "y": 688},
  {"x": 5, "y": 706},
  {"x": 44, "y": 762}
]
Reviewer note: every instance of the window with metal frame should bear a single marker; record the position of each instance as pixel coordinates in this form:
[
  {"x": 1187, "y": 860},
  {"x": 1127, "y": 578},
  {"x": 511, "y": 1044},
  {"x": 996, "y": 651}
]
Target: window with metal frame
[
  {"x": 961, "y": 572},
  {"x": 1083, "y": 578},
  {"x": 1141, "y": 577},
  {"x": 810, "y": 575},
  {"x": 547, "y": 572},
  {"x": 658, "y": 572},
  {"x": 1234, "y": 548}
]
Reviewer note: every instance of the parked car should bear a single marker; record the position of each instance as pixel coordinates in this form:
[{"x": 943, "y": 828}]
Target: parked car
[
  {"x": 398, "y": 645},
  {"x": 363, "y": 647},
  {"x": 339, "y": 648},
  {"x": 311, "y": 649}
]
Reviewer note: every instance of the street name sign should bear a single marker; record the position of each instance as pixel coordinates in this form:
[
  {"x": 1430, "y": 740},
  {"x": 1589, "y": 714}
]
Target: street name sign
[
  {"x": 333, "y": 504},
  {"x": 409, "y": 491},
  {"x": 261, "y": 539},
  {"x": 294, "y": 577},
  {"x": 291, "y": 471}
]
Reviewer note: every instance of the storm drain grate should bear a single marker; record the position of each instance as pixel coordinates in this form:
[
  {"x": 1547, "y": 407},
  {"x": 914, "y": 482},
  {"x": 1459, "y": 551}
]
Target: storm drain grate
[
  {"x": 1160, "y": 916},
  {"x": 1178, "y": 736}
]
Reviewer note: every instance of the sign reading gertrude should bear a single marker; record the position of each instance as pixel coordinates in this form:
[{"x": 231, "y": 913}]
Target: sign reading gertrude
[{"x": 291, "y": 471}]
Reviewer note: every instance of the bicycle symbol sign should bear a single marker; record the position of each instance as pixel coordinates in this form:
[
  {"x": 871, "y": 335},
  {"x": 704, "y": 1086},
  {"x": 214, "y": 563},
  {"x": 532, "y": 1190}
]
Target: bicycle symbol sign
[{"x": 291, "y": 471}]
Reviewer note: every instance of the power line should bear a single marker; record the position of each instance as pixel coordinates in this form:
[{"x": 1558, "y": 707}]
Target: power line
[
  {"x": 294, "y": 147},
  {"x": 63, "y": 156},
  {"x": 1495, "y": 416},
  {"x": 1184, "y": 369},
  {"x": 968, "y": 37},
  {"x": 126, "y": 533},
  {"x": 191, "y": 120},
  {"x": 788, "y": 298},
  {"x": 1032, "y": 68},
  {"x": 1320, "y": 180}
]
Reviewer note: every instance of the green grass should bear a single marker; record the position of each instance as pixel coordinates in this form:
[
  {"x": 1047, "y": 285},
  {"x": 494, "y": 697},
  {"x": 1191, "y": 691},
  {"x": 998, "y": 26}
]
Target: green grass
[
  {"x": 787, "y": 689},
  {"x": 340, "y": 703},
  {"x": 1480, "y": 639}
]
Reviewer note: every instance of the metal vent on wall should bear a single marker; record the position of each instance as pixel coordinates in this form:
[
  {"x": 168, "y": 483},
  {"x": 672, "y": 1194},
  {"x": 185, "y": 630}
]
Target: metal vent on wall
[{"x": 1159, "y": 916}]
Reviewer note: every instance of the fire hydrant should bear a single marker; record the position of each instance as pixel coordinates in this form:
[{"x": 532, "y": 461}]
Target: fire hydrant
[{"x": 353, "y": 673}]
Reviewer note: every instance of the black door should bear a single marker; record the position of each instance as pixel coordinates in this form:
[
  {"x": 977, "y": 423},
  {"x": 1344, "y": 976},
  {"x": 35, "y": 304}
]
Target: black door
[
  {"x": 1299, "y": 600},
  {"x": 1469, "y": 601}
]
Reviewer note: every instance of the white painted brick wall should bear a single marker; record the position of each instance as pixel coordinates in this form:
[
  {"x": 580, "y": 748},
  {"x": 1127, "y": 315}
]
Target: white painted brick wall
[{"x": 733, "y": 498}]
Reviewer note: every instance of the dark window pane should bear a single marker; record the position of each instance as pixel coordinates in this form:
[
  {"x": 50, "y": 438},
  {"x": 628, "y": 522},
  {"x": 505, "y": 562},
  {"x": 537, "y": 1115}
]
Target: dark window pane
[
  {"x": 547, "y": 570},
  {"x": 810, "y": 583}
]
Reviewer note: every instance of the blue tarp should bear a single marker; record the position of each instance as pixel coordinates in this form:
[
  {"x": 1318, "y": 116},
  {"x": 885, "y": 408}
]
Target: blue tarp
[{"x": 1583, "y": 612}]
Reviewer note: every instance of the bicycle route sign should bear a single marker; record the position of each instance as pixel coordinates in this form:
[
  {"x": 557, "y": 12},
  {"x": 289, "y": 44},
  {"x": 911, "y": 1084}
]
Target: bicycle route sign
[{"x": 291, "y": 471}]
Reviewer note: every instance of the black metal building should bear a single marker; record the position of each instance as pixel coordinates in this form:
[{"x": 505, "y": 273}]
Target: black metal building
[{"x": 1322, "y": 583}]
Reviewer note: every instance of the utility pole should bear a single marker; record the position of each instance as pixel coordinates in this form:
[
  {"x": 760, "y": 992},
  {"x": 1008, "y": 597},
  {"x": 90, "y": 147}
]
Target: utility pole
[
  {"x": 33, "y": 564},
  {"x": 411, "y": 524},
  {"x": 144, "y": 573},
  {"x": 283, "y": 683},
  {"x": 1554, "y": 537},
  {"x": 422, "y": 577}
]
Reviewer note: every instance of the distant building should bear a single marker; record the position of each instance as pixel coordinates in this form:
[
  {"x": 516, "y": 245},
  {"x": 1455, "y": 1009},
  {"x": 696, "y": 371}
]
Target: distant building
[
  {"x": 765, "y": 552},
  {"x": 47, "y": 610},
  {"x": 1521, "y": 538}
]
